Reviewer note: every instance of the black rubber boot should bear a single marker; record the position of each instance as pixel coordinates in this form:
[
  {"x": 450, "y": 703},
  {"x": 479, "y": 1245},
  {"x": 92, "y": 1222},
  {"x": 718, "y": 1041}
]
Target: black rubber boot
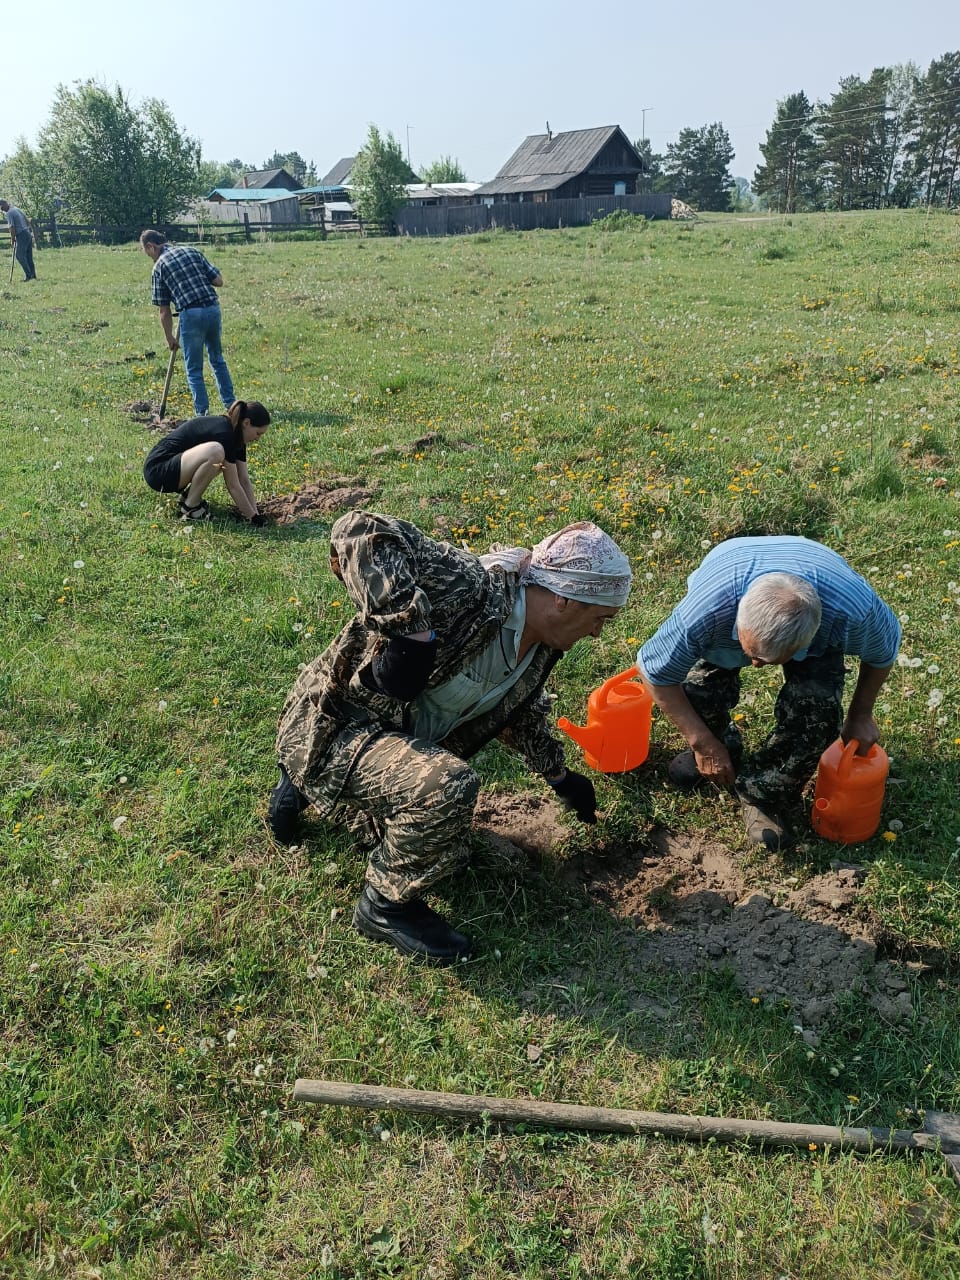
[
  {"x": 412, "y": 927},
  {"x": 683, "y": 772},
  {"x": 286, "y": 806}
]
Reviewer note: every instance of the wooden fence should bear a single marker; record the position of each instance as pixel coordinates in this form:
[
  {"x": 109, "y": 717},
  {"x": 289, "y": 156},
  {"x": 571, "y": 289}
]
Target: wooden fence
[
  {"x": 64, "y": 234},
  {"x": 433, "y": 220},
  {"x": 524, "y": 215}
]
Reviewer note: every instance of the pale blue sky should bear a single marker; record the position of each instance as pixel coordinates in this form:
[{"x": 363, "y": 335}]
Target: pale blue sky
[{"x": 460, "y": 79}]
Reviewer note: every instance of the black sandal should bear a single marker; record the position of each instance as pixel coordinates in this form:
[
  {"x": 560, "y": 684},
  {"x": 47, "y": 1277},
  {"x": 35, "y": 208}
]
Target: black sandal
[{"x": 200, "y": 512}]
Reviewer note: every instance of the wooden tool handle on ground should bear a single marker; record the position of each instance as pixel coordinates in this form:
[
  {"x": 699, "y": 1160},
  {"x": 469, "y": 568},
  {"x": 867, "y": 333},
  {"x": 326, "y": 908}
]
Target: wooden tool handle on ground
[{"x": 561, "y": 1115}]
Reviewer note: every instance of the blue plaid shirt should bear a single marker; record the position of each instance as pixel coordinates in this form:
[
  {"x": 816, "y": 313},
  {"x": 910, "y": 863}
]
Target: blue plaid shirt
[{"x": 183, "y": 276}]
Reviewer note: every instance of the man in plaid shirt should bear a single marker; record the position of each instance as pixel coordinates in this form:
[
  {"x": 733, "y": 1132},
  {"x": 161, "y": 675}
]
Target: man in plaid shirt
[{"x": 182, "y": 276}]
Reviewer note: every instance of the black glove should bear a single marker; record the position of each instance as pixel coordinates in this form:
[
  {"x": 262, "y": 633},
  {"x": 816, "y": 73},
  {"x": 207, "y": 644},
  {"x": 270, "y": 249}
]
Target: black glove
[
  {"x": 577, "y": 793},
  {"x": 402, "y": 668},
  {"x": 258, "y": 521}
]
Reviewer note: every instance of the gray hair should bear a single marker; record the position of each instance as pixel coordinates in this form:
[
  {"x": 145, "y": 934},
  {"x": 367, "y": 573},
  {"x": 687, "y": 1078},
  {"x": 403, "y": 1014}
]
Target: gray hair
[
  {"x": 781, "y": 612},
  {"x": 152, "y": 237}
]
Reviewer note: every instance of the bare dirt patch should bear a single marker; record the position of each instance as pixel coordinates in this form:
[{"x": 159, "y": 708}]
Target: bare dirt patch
[
  {"x": 697, "y": 905},
  {"x": 147, "y": 412},
  {"x": 316, "y": 500},
  {"x": 529, "y": 823}
]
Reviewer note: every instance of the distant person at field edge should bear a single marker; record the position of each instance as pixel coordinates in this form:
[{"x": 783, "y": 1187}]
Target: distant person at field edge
[
  {"x": 194, "y": 453},
  {"x": 782, "y": 601},
  {"x": 447, "y": 651},
  {"x": 20, "y": 238},
  {"x": 182, "y": 276}
]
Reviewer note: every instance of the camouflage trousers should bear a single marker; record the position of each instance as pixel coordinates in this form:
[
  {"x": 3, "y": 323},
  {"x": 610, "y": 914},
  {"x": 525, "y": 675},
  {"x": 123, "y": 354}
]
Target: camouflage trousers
[
  {"x": 807, "y": 718},
  {"x": 414, "y": 803}
]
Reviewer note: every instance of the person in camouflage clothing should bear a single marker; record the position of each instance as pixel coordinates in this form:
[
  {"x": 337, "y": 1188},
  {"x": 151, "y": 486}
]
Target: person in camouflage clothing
[
  {"x": 447, "y": 651},
  {"x": 756, "y": 602}
]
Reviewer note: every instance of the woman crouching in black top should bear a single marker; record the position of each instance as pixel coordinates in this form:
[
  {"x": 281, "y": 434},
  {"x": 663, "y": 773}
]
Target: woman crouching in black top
[{"x": 186, "y": 460}]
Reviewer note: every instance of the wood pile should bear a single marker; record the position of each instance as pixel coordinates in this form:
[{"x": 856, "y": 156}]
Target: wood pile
[{"x": 680, "y": 210}]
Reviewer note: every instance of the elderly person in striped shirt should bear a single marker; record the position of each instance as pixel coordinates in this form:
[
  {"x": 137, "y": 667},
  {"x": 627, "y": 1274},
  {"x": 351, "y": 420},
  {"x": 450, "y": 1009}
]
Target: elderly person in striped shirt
[
  {"x": 183, "y": 277},
  {"x": 758, "y": 602}
]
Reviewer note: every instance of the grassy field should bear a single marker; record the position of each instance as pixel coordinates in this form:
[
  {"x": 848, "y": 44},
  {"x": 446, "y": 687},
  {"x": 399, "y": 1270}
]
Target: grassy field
[{"x": 168, "y": 972}]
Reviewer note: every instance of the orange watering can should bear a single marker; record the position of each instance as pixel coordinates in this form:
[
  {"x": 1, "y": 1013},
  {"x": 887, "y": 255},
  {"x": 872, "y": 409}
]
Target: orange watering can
[
  {"x": 849, "y": 792},
  {"x": 616, "y": 737}
]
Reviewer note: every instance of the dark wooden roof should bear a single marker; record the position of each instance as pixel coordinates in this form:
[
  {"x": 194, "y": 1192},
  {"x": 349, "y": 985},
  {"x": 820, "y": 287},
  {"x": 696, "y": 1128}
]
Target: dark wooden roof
[
  {"x": 339, "y": 173},
  {"x": 545, "y": 161},
  {"x": 278, "y": 178}
]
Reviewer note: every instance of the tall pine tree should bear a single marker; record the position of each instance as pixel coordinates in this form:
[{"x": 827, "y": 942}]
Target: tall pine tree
[
  {"x": 931, "y": 173},
  {"x": 696, "y": 167},
  {"x": 854, "y": 139},
  {"x": 788, "y": 177}
]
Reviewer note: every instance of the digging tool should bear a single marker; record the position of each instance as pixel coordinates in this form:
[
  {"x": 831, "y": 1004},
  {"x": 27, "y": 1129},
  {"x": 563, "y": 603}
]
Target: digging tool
[
  {"x": 166, "y": 384},
  {"x": 13, "y": 260},
  {"x": 940, "y": 1132}
]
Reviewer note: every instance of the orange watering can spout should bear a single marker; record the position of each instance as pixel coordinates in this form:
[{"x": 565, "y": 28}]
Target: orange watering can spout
[
  {"x": 616, "y": 737},
  {"x": 587, "y": 738},
  {"x": 822, "y": 819}
]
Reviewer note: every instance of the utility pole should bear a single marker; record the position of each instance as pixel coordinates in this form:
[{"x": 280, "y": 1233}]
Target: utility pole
[
  {"x": 643, "y": 122},
  {"x": 409, "y": 127}
]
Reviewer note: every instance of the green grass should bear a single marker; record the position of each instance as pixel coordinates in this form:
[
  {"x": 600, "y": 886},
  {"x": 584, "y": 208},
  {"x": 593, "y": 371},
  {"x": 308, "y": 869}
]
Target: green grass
[{"x": 166, "y": 978}]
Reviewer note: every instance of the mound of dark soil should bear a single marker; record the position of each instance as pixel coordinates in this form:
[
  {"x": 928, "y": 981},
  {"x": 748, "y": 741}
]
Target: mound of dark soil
[
  {"x": 697, "y": 905},
  {"x": 147, "y": 412},
  {"x": 315, "y": 501}
]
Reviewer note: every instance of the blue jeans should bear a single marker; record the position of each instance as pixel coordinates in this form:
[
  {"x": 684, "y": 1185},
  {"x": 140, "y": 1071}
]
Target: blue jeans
[{"x": 199, "y": 328}]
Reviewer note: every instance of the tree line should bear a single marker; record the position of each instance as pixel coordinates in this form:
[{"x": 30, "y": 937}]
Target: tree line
[
  {"x": 103, "y": 159},
  {"x": 891, "y": 140}
]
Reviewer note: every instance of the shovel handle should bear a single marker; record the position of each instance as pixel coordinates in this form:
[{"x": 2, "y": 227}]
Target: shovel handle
[
  {"x": 166, "y": 384},
  {"x": 562, "y": 1115}
]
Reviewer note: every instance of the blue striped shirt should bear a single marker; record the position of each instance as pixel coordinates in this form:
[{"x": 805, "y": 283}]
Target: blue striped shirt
[{"x": 704, "y": 624}]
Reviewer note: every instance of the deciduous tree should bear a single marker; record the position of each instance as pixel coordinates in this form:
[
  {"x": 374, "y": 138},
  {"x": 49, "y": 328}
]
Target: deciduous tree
[
  {"x": 116, "y": 163},
  {"x": 446, "y": 169},
  {"x": 28, "y": 178},
  {"x": 379, "y": 179}
]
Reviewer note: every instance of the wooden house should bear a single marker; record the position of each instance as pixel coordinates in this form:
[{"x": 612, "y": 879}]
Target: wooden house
[
  {"x": 563, "y": 166},
  {"x": 430, "y": 194},
  {"x": 270, "y": 179},
  {"x": 341, "y": 175},
  {"x": 229, "y": 204}
]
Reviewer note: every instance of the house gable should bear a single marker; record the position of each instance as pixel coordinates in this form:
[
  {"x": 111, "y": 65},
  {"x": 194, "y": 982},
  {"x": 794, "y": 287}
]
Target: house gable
[
  {"x": 561, "y": 165},
  {"x": 271, "y": 178}
]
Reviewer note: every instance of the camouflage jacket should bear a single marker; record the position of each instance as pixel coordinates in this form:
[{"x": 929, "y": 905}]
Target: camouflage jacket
[{"x": 401, "y": 582}]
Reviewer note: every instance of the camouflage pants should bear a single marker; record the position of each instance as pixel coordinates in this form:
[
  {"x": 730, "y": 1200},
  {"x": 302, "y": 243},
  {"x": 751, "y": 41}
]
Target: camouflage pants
[
  {"x": 807, "y": 719},
  {"x": 419, "y": 800}
]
